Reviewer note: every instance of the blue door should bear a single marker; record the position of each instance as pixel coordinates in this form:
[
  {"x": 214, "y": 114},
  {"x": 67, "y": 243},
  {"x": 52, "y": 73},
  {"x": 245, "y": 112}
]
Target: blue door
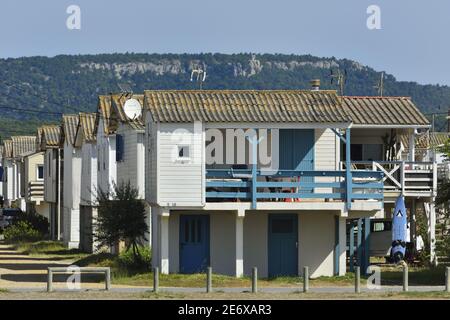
[
  {"x": 297, "y": 152},
  {"x": 194, "y": 243},
  {"x": 283, "y": 245}
]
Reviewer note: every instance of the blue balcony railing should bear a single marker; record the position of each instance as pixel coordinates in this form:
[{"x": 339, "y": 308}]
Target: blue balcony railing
[{"x": 290, "y": 185}]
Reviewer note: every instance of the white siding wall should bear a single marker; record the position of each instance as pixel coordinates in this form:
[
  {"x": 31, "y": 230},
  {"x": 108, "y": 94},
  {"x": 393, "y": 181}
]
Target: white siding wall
[
  {"x": 326, "y": 155},
  {"x": 180, "y": 183},
  {"x": 316, "y": 233},
  {"x": 50, "y": 175},
  {"x": 72, "y": 189},
  {"x": 88, "y": 174},
  {"x": 151, "y": 156},
  {"x": 8, "y": 177},
  {"x": 106, "y": 152}
]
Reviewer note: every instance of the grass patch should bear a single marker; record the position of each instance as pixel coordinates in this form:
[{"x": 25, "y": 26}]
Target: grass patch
[
  {"x": 417, "y": 276},
  {"x": 3, "y": 290},
  {"x": 162, "y": 295},
  {"x": 48, "y": 249}
]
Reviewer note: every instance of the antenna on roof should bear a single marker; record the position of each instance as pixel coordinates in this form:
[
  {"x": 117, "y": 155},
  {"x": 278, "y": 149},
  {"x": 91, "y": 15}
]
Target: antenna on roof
[
  {"x": 126, "y": 89},
  {"x": 340, "y": 79},
  {"x": 198, "y": 75},
  {"x": 380, "y": 85}
]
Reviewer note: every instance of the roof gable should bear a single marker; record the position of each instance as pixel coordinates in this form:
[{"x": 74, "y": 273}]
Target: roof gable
[
  {"x": 86, "y": 130},
  {"x": 22, "y": 145},
  {"x": 50, "y": 136},
  {"x": 69, "y": 126},
  {"x": 118, "y": 114}
]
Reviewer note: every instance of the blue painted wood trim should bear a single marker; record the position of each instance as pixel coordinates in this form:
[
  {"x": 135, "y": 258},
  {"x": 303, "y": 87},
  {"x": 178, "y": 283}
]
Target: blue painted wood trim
[
  {"x": 336, "y": 246},
  {"x": 300, "y": 184},
  {"x": 230, "y": 195},
  {"x": 366, "y": 196},
  {"x": 359, "y": 243},
  {"x": 254, "y": 171},
  {"x": 366, "y": 245},
  {"x": 339, "y": 135},
  {"x": 268, "y": 195},
  {"x": 368, "y": 174},
  {"x": 348, "y": 169},
  {"x": 352, "y": 246},
  {"x": 228, "y": 184}
]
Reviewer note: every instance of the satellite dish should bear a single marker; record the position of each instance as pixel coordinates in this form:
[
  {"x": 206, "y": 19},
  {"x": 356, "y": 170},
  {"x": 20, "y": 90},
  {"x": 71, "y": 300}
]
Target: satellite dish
[{"x": 132, "y": 109}]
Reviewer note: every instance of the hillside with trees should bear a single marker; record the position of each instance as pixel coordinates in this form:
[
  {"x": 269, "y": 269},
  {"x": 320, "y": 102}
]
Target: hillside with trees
[{"x": 34, "y": 90}]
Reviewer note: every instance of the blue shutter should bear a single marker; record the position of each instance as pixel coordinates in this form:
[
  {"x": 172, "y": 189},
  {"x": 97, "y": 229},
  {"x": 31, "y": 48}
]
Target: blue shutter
[
  {"x": 1, "y": 173},
  {"x": 119, "y": 147}
]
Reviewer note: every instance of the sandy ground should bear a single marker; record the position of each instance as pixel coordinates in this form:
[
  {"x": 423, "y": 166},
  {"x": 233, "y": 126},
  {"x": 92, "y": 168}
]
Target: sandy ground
[
  {"x": 18, "y": 271},
  {"x": 24, "y": 277}
]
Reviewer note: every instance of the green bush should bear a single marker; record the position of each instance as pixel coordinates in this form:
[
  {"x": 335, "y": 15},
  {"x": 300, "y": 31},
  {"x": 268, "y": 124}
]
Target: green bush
[
  {"x": 22, "y": 231},
  {"x": 37, "y": 221},
  {"x": 142, "y": 262}
]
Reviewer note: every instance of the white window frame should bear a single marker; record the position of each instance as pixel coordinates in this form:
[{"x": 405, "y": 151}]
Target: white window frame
[
  {"x": 37, "y": 172},
  {"x": 183, "y": 158}
]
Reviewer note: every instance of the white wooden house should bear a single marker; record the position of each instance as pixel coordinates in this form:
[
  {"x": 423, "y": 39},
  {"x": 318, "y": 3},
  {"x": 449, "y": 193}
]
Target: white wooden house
[
  {"x": 86, "y": 140},
  {"x": 71, "y": 183},
  {"x": 8, "y": 176},
  {"x": 129, "y": 144},
  {"x": 1, "y": 173},
  {"x": 129, "y": 147},
  {"x": 50, "y": 144},
  {"x": 106, "y": 145},
  {"x": 270, "y": 179},
  {"x": 27, "y": 166}
]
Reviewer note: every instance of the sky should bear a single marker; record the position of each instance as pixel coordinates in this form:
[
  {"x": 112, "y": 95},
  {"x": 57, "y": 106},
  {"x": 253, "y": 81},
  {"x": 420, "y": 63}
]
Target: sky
[{"x": 413, "y": 43}]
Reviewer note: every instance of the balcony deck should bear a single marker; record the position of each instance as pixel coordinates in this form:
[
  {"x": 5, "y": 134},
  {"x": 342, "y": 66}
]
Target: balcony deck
[
  {"x": 412, "y": 179},
  {"x": 258, "y": 186},
  {"x": 35, "y": 191}
]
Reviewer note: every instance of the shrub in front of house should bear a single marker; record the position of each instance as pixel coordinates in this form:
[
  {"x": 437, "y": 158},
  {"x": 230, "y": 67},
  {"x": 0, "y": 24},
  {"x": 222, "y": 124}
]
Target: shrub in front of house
[
  {"x": 37, "y": 221},
  {"x": 140, "y": 262},
  {"x": 22, "y": 231}
]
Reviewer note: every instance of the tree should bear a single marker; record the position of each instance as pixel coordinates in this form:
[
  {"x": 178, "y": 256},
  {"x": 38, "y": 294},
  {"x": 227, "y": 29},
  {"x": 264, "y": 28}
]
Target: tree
[{"x": 121, "y": 217}]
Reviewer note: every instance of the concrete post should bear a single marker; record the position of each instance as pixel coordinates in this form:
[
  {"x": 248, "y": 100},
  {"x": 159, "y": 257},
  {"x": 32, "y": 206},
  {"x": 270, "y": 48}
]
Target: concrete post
[
  {"x": 405, "y": 278},
  {"x": 358, "y": 279},
  {"x": 447, "y": 279},
  {"x": 240, "y": 243},
  {"x": 155, "y": 280},
  {"x": 305, "y": 279},
  {"x": 50, "y": 281},
  {"x": 208, "y": 280},
  {"x": 254, "y": 280},
  {"x": 164, "y": 228},
  {"x": 108, "y": 279}
]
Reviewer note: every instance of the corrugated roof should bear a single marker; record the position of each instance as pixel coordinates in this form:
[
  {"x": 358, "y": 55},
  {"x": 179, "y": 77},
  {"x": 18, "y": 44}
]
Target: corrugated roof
[
  {"x": 50, "y": 136},
  {"x": 70, "y": 124},
  {"x": 383, "y": 111},
  {"x": 104, "y": 110},
  {"x": 426, "y": 141},
  {"x": 245, "y": 106},
  {"x": 23, "y": 145},
  {"x": 118, "y": 101},
  {"x": 7, "y": 151},
  {"x": 87, "y": 126}
]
